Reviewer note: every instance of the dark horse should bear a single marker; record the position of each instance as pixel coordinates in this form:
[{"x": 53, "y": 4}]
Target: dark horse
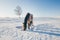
[{"x": 26, "y": 20}]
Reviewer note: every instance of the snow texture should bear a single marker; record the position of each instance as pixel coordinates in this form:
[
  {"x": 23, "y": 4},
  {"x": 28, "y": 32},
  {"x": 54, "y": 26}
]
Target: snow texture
[{"x": 43, "y": 29}]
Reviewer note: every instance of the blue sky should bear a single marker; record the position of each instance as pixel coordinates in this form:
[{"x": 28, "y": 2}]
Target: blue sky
[{"x": 39, "y": 8}]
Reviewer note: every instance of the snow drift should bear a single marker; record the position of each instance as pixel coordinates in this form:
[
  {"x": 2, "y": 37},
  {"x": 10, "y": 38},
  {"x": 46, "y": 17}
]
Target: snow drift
[{"x": 47, "y": 29}]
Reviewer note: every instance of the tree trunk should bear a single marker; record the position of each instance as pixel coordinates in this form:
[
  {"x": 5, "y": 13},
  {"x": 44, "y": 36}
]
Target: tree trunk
[{"x": 19, "y": 16}]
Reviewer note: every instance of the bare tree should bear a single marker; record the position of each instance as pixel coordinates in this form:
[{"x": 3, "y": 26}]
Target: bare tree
[{"x": 18, "y": 11}]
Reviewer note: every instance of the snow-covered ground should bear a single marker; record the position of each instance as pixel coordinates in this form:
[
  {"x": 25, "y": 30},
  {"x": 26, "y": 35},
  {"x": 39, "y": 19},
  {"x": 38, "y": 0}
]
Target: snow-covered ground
[{"x": 44, "y": 28}]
